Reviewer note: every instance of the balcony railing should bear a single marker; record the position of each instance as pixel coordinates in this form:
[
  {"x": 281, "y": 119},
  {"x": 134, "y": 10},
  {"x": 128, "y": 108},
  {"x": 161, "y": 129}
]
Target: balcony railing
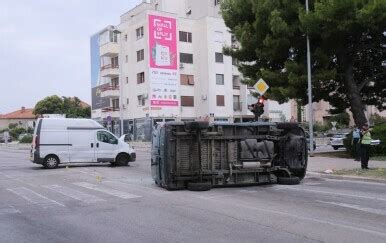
[
  {"x": 108, "y": 66},
  {"x": 237, "y": 106},
  {"x": 109, "y": 109},
  {"x": 111, "y": 87},
  {"x": 236, "y": 86}
]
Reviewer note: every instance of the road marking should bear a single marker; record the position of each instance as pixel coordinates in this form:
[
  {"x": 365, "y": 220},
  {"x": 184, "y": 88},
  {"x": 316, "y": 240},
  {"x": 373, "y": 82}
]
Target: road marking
[
  {"x": 106, "y": 190},
  {"x": 8, "y": 210},
  {"x": 356, "y": 207},
  {"x": 327, "y": 192},
  {"x": 75, "y": 194},
  {"x": 321, "y": 221},
  {"x": 34, "y": 197}
]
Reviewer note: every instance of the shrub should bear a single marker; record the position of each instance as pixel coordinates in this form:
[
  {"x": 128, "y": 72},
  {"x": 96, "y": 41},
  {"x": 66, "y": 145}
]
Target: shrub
[
  {"x": 26, "y": 139},
  {"x": 15, "y": 132}
]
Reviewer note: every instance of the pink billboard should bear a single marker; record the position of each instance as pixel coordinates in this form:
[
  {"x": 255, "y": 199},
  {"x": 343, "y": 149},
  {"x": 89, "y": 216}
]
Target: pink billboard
[
  {"x": 164, "y": 75},
  {"x": 162, "y": 42}
]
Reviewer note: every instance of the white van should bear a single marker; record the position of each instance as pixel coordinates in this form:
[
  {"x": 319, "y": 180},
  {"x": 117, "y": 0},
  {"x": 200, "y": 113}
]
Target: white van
[{"x": 60, "y": 140}]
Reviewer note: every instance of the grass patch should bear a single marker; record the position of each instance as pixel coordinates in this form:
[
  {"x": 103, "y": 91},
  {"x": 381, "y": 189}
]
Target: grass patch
[
  {"x": 339, "y": 154},
  {"x": 378, "y": 158},
  {"x": 370, "y": 173}
]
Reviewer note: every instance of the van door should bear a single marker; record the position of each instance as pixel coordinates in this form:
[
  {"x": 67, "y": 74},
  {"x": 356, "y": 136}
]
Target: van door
[
  {"x": 106, "y": 146},
  {"x": 82, "y": 145}
]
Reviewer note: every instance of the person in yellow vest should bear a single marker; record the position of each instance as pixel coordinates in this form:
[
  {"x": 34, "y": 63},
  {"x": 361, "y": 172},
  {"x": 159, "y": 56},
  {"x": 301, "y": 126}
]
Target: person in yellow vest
[{"x": 365, "y": 146}]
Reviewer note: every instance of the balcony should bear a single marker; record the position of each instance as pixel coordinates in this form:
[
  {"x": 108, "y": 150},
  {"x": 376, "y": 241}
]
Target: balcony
[
  {"x": 237, "y": 106},
  {"x": 110, "y": 92},
  {"x": 109, "y": 49},
  {"x": 109, "y": 70}
]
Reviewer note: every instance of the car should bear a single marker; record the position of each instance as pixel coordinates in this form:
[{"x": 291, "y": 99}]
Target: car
[
  {"x": 337, "y": 140},
  {"x": 2, "y": 138},
  {"x": 62, "y": 140}
]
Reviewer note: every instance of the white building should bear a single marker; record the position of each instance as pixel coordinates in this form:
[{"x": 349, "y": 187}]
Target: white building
[{"x": 164, "y": 62}]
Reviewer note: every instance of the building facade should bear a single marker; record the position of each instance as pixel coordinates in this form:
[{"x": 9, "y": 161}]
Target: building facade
[{"x": 164, "y": 62}]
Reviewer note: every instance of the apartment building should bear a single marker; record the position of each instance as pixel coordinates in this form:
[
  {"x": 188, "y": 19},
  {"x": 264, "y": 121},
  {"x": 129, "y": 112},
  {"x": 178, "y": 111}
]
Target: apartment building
[{"x": 164, "y": 62}]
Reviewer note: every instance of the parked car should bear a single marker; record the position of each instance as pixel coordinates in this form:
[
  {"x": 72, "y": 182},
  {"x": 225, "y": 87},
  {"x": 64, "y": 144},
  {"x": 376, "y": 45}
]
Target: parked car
[
  {"x": 60, "y": 140},
  {"x": 337, "y": 140},
  {"x": 2, "y": 138}
]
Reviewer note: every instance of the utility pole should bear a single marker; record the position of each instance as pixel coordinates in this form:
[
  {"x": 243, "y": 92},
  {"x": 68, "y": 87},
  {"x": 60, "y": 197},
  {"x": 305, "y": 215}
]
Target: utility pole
[{"x": 310, "y": 111}]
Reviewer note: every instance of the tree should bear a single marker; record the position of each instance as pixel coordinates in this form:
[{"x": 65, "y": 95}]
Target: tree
[
  {"x": 347, "y": 49},
  {"x": 70, "y": 106}
]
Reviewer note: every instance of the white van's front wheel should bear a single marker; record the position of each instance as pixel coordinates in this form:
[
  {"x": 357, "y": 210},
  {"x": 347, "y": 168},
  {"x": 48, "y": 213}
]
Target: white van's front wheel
[
  {"x": 51, "y": 162},
  {"x": 122, "y": 160}
]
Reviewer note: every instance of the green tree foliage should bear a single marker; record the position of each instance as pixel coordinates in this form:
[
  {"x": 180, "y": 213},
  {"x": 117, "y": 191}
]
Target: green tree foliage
[
  {"x": 70, "y": 106},
  {"x": 346, "y": 43},
  {"x": 26, "y": 139}
]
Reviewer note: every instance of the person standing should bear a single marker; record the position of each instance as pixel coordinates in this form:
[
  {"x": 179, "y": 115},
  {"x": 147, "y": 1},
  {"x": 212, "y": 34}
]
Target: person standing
[
  {"x": 365, "y": 146},
  {"x": 356, "y": 137}
]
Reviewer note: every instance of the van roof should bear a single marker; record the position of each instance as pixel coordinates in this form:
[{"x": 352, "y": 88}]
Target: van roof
[{"x": 65, "y": 123}]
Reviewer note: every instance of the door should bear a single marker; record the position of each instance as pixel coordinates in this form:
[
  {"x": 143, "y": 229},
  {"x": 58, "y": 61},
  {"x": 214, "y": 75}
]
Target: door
[
  {"x": 82, "y": 145},
  {"x": 106, "y": 146}
]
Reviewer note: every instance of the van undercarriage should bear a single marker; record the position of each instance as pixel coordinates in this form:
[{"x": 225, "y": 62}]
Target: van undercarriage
[{"x": 195, "y": 155}]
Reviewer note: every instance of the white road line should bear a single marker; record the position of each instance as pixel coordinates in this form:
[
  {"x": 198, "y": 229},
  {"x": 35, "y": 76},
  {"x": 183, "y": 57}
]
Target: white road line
[
  {"x": 106, "y": 190},
  {"x": 34, "y": 197},
  {"x": 75, "y": 194},
  {"x": 8, "y": 210},
  {"x": 327, "y": 192},
  {"x": 357, "y": 207}
]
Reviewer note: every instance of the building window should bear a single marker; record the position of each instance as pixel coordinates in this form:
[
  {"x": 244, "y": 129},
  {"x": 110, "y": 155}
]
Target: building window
[
  {"x": 127, "y": 100},
  {"x": 140, "y": 78},
  {"x": 127, "y": 80},
  {"x": 113, "y": 37},
  {"x": 186, "y": 58},
  {"x": 187, "y": 101},
  {"x": 220, "y": 79},
  {"x": 115, "y": 104},
  {"x": 236, "y": 81},
  {"x": 235, "y": 61},
  {"x": 114, "y": 62},
  {"x": 185, "y": 36},
  {"x": 219, "y": 57},
  {"x": 219, "y": 36},
  {"x": 141, "y": 100},
  {"x": 125, "y": 37},
  {"x": 140, "y": 55},
  {"x": 115, "y": 83},
  {"x": 127, "y": 58},
  {"x": 220, "y": 100},
  {"x": 217, "y": 2},
  {"x": 187, "y": 79},
  {"x": 139, "y": 32},
  {"x": 236, "y": 103}
]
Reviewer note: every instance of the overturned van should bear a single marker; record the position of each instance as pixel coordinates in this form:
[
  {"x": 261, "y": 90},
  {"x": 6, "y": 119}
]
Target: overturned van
[{"x": 198, "y": 156}]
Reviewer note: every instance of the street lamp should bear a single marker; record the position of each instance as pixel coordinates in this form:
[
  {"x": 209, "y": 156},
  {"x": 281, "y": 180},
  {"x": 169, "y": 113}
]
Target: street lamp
[{"x": 310, "y": 115}]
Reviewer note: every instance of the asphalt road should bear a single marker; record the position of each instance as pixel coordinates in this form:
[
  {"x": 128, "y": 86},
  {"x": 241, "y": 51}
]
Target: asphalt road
[{"x": 99, "y": 203}]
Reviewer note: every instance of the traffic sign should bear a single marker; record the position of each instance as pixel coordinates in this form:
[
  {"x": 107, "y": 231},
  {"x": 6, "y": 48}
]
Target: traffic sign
[{"x": 261, "y": 86}]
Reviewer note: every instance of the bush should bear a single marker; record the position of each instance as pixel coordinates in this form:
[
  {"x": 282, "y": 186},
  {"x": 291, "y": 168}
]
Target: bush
[
  {"x": 15, "y": 132},
  {"x": 26, "y": 139},
  {"x": 378, "y": 132}
]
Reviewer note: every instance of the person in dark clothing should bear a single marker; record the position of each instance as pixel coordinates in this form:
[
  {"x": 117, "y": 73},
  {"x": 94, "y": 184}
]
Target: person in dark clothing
[
  {"x": 365, "y": 147},
  {"x": 356, "y": 137}
]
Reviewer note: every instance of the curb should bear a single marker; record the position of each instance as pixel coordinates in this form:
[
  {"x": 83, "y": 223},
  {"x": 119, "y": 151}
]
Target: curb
[{"x": 349, "y": 178}]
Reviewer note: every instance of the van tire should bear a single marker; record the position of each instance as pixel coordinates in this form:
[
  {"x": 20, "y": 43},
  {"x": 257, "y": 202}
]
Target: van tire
[
  {"x": 199, "y": 186},
  {"x": 293, "y": 180},
  {"x": 122, "y": 160},
  {"x": 51, "y": 162}
]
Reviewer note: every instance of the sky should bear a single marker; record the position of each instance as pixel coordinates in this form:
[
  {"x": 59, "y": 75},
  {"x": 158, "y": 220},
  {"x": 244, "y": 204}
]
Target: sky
[{"x": 44, "y": 47}]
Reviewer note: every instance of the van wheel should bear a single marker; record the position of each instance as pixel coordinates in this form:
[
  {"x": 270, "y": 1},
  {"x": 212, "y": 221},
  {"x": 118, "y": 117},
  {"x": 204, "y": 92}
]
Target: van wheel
[
  {"x": 122, "y": 160},
  {"x": 293, "y": 180},
  {"x": 199, "y": 186},
  {"x": 51, "y": 162}
]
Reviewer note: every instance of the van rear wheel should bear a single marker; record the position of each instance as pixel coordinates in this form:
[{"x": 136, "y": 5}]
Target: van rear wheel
[
  {"x": 122, "y": 160},
  {"x": 51, "y": 162}
]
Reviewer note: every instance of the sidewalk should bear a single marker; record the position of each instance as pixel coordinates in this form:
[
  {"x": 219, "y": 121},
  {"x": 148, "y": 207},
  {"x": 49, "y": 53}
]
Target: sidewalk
[{"x": 320, "y": 164}]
